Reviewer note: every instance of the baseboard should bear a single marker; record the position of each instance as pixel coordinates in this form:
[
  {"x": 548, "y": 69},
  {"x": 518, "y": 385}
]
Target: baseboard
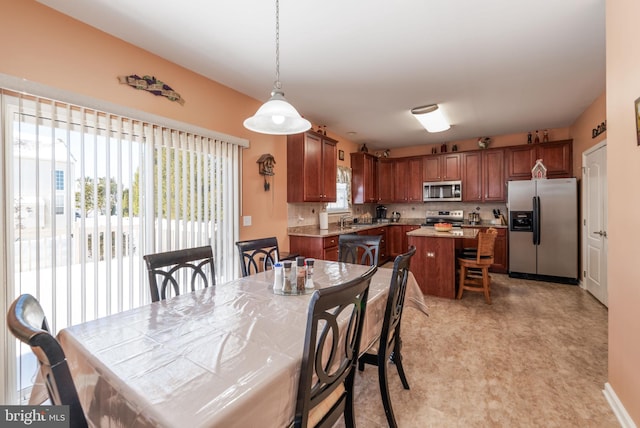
[{"x": 617, "y": 407}]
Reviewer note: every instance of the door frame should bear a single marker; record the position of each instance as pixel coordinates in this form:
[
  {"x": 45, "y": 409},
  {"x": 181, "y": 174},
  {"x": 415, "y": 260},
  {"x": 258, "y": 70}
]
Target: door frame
[{"x": 583, "y": 226}]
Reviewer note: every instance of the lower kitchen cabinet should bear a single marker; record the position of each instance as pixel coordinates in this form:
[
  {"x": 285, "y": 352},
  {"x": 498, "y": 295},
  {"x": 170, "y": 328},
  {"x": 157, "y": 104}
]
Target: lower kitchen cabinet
[
  {"x": 383, "y": 257},
  {"x": 323, "y": 248},
  {"x": 500, "y": 251},
  {"x": 397, "y": 242}
]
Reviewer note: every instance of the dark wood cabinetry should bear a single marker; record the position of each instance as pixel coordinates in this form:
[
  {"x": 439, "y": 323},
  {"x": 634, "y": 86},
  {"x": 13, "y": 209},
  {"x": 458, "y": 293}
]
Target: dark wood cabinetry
[
  {"x": 316, "y": 247},
  {"x": 407, "y": 186},
  {"x": 397, "y": 240},
  {"x": 500, "y": 251},
  {"x": 483, "y": 178},
  {"x": 385, "y": 180},
  {"x": 364, "y": 178},
  {"x": 445, "y": 167},
  {"x": 311, "y": 168},
  {"x": 556, "y": 156},
  {"x": 383, "y": 257}
]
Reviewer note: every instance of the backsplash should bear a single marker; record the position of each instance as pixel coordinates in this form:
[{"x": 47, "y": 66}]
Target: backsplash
[{"x": 306, "y": 214}]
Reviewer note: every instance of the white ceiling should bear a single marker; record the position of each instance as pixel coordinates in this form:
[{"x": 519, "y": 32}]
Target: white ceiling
[{"x": 494, "y": 66}]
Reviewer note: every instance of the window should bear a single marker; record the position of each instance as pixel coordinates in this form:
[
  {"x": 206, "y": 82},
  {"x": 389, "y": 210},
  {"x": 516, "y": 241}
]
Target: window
[
  {"x": 135, "y": 188},
  {"x": 59, "y": 177},
  {"x": 343, "y": 191}
]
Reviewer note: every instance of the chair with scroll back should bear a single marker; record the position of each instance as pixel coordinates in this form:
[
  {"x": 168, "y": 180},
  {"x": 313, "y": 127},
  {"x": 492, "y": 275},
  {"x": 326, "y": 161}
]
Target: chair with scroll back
[
  {"x": 331, "y": 347},
  {"x": 27, "y": 322},
  {"x": 474, "y": 265},
  {"x": 194, "y": 264},
  {"x": 359, "y": 249},
  {"x": 389, "y": 344},
  {"x": 257, "y": 255}
]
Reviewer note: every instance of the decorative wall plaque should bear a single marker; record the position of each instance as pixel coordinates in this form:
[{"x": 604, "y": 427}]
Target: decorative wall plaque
[{"x": 153, "y": 85}]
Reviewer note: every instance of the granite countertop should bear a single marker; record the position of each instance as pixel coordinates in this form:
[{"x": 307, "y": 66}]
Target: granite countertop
[
  {"x": 459, "y": 233},
  {"x": 335, "y": 230},
  {"x": 314, "y": 231}
]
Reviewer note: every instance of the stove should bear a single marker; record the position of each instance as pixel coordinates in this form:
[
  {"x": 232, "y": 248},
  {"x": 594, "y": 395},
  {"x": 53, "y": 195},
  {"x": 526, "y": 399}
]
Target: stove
[{"x": 456, "y": 217}]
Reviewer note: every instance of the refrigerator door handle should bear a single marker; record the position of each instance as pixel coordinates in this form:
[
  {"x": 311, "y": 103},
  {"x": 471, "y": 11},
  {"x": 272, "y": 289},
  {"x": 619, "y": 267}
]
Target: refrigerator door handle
[{"x": 536, "y": 220}]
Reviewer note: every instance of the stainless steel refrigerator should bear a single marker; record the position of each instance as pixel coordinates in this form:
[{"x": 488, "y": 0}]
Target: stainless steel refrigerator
[{"x": 543, "y": 229}]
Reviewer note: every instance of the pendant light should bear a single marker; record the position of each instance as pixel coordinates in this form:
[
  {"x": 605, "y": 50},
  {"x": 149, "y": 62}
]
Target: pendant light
[{"x": 277, "y": 116}]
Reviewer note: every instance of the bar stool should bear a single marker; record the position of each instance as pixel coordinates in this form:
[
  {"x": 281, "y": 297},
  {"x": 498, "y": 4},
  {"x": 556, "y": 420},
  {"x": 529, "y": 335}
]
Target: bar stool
[{"x": 482, "y": 260}]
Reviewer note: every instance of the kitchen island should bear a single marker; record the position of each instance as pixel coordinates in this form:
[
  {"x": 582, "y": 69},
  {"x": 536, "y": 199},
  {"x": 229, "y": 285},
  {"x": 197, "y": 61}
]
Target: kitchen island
[{"x": 434, "y": 264}]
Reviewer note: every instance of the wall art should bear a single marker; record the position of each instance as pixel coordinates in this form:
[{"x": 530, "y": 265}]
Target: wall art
[{"x": 153, "y": 85}]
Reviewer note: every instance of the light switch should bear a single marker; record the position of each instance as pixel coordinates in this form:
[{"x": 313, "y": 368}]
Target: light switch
[{"x": 246, "y": 220}]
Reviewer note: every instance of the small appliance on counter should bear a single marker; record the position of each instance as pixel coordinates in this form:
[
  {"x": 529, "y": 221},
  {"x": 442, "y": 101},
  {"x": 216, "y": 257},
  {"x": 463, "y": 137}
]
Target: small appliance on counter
[
  {"x": 474, "y": 217},
  {"x": 381, "y": 213},
  {"x": 395, "y": 216},
  {"x": 455, "y": 217}
]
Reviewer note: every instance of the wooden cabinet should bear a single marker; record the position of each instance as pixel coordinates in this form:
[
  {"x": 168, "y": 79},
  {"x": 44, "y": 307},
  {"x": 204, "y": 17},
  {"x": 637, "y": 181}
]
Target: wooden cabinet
[
  {"x": 493, "y": 181},
  {"x": 400, "y": 180},
  {"x": 472, "y": 177},
  {"x": 397, "y": 240},
  {"x": 407, "y": 183},
  {"x": 364, "y": 178},
  {"x": 383, "y": 257},
  {"x": 483, "y": 177},
  {"x": 311, "y": 168},
  {"x": 434, "y": 265},
  {"x": 444, "y": 167},
  {"x": 557, "y": 157},
  {"x": 385, "y": 180},
  {"x": 500, "y": 251},
  {"x": 323, "y": 248}
]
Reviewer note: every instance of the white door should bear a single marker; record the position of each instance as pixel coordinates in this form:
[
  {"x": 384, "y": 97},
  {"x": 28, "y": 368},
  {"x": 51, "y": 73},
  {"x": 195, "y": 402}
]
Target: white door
[{"x": 594, "y": 212}]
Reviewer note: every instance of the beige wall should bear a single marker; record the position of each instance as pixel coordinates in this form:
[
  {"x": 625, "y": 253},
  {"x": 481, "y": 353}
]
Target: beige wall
[
  {"x": 623, "y": 169},
  {"x": 581, "y": 131}
]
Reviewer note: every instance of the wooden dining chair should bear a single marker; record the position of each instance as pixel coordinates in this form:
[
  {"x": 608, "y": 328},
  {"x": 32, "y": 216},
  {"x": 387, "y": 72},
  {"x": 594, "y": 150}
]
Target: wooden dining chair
[
  {"x": 389, "y": 346},
  {"x": 195, "y": 265},
  {"x": 258, "y": 255},
  {"x": 474, "y": 266},
  {"x": 359, "y": 249},
  {"x": 331, "y": 347},
  {"x": 27, "y": 322}
]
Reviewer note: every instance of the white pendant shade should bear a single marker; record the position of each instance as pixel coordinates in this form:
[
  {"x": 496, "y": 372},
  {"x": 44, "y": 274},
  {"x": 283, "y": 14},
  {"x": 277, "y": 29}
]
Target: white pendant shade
[
  {"x": 431, "y": 118},
  {"x": 277, "y": 117}
]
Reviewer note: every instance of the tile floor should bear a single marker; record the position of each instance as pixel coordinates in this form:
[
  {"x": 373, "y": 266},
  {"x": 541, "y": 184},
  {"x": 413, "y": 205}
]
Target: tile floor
[{"x": 536, "y": 357}]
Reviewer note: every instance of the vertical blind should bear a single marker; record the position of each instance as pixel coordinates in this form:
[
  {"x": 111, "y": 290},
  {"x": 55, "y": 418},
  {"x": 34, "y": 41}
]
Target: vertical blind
[{"x": 88, "y": 193}]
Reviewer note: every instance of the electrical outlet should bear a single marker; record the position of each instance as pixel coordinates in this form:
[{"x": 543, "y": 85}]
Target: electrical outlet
[{"x": 246, "y": 220}]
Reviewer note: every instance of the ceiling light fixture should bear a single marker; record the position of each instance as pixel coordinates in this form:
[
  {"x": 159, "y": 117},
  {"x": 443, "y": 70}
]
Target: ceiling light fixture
[
  {"x": 277, "y": 116},
  {"x": 431, "y": 117}
]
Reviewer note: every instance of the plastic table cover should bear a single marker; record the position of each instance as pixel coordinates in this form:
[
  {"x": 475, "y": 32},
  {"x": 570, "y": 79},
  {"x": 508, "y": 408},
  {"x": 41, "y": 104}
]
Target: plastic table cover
[{"x": 228, "y": 355}]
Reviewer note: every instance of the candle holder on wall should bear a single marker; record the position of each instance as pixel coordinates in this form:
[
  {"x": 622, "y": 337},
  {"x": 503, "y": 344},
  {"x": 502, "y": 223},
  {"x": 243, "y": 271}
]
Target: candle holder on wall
[{"x": 266, "y": 164}]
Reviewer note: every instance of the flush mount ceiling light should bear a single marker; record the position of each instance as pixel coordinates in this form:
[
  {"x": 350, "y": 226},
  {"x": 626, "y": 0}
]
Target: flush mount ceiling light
[
  {"x": 431, "y": 117},
  {"x": 277, "y": 116}
]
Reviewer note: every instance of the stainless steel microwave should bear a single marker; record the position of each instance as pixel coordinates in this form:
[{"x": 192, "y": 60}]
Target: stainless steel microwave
[{"x": 433, "y": 191}]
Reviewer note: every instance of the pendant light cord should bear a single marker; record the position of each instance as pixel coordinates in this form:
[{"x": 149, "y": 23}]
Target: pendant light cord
[{"x": 277, "y": 83}]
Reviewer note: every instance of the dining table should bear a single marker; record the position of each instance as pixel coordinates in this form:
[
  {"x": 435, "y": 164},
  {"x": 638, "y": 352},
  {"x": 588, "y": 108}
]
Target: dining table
[{"x": 227, "y": 356}]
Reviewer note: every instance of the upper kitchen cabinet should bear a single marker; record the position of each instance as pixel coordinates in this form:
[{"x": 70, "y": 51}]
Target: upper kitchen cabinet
[
  {"x": 556, "y": 157},
  {"x": 444, "y": 167},
  {"x": 364, "y": 178},
  {"x": 400, "y": 180},
  {"x": 312, "y": 163},
  {"x": 407, "y": 185},
  {"x": 483, "y": 177}
]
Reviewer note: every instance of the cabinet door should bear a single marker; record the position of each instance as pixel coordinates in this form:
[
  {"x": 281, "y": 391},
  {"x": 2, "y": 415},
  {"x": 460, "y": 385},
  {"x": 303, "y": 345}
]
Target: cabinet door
[
  {"x": 364, "y": 186},
  {"x": 400, "y": 182},
  {"x": 451, "y": 168},
  {"x": 313, "y": 180},
  {"x": 557, "y": 158},
  {"x": 385, "y": 181},
  {"x": 494, "y": 184},
  {"x": 472, "y": 177},
  {"x": 413, "y": 184},
  {"x": 395, "y": 235},
  {"x": 519, "y": 161},
  {"x": 329, "y": 171},
  {"x": 431, "y": 168}
]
